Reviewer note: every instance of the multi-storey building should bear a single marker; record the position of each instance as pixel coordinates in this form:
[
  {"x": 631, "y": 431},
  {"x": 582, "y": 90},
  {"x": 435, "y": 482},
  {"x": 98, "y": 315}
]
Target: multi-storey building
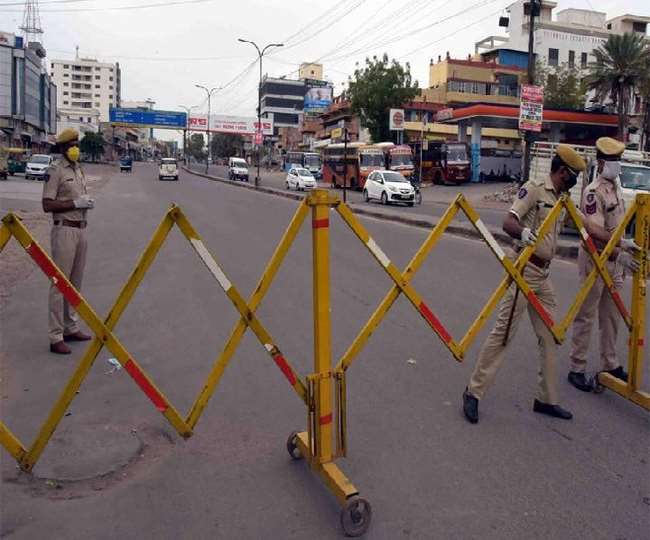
[
  {"x": 27, "y": 95},
  {"x": 83, "y": 85}
]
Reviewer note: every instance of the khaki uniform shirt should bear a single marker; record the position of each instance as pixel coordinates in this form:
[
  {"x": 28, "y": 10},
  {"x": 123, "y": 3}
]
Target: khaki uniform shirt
[
  {"x": 534, "y": 201},
  {"x": 65, "y": 182},
  {"x": 602, "y": 203}
]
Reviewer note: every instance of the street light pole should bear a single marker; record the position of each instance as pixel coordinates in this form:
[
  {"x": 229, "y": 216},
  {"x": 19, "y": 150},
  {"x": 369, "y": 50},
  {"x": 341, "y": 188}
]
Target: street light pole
[
  {"x": 209, "y": 93},
  {"x": 529, "y": 137},
  {"x": 187, "y": 128},
  {"x": 260, "y": 53}
]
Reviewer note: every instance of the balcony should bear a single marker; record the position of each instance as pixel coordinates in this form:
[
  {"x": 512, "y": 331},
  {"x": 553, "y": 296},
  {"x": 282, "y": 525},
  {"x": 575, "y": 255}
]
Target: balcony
[{"x": 479, "y": 91}]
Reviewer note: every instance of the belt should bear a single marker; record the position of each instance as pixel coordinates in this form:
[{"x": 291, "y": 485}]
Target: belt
[
  {"x": 539, "y": 262},
  {"x": 68, "y": 223}
]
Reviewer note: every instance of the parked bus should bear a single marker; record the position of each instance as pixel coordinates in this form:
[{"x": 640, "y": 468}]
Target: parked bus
[
  {"x": 307, "y": 160},
  {"x": 397, "y": 158},
  {"x": 361, "y": 160},
  {"x": 444, "y": 162}
]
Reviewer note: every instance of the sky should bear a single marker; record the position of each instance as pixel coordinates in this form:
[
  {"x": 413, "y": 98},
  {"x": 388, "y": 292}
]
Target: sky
[{"x": 165, "y": 47}]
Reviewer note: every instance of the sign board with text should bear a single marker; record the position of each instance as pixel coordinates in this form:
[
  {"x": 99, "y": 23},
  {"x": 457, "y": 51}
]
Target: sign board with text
[
  {"x": 150, "y": 118},
  {"x": 235, "y": 125},
  {"x": 396, "y": 120},
  {"x": 336, "y": 133},
  {"x": 531, "y": 108},
  {"x": 318, "y": 96}
]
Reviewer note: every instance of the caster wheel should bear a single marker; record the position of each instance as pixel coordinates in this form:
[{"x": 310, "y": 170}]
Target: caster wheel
[
  {"x": 596, "y": 387},
  {"x": 292, "y": 447},
  {"x": 356, "y": 516}
]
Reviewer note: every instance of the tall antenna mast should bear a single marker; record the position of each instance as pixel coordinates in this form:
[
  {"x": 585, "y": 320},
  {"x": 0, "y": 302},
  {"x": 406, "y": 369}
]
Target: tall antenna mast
[{"x": 31, "y": 26}]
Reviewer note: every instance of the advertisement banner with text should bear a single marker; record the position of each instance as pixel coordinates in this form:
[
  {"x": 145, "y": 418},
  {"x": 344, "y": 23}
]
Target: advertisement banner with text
[{"x": 235, "y": 125}]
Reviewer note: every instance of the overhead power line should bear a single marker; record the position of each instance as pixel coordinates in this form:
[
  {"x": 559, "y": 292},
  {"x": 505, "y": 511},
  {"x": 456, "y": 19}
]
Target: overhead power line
[{"x": 116, "y": 8}]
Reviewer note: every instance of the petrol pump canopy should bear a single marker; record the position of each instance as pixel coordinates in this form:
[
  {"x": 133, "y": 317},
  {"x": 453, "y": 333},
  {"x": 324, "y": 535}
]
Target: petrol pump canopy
[{"x": 507, "y": 117}]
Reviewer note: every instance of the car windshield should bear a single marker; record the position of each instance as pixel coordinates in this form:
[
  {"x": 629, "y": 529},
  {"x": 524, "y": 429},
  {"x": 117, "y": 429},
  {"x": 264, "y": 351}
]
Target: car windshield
[
  {"x": 635, "y": 177},
  {"x": 395, "y": 177},
  {"x": 401, "y": 159},
  {"x": 372, "y": 160},
  {"x": 456, "y": 152},
  {"x": 167, "y": 161},
  {"x": 241, "y": 164},
  {"x": 303, "y": 172},
  {"x": 40, "y": 159},
  {"x": 312, "y": 160}
]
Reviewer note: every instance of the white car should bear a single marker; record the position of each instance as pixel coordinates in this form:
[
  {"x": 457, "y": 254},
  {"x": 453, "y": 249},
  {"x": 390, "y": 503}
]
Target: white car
[
  {"x": 36, "y": 166},
  {"x": 168, "y": 169},
  {"x": 300, "y": 179},
  {"x": 388, "y": 187}
]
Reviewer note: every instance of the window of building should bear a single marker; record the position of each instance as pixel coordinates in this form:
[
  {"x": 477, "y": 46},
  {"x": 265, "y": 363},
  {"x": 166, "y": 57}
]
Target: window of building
[
  {"x": 110, "y": 88},
  {"x": 65, "y": 93},
  {"x": 66, "y": 66},
  {"x": 66, "y": 75},
  {"x": 111, "y": 70},
  {"x": 609, "y": 26},
  {"x": 66, "y": 84},
  {"x": 553, "y": 57},
  {"x": 97, "y": 77},
  {"x": 97, "y": 86},
  {"x": 110, "y": 78},
  {"x": 110, "y": 97},
  {"x": 65, "y": 102},
  {"x": 97, "y": 104},
  {"x": 97, "y": 69},
  {"x": 639, "y": 27},
  {"x": 583, "y": 60},
  {"x": 572, "y": 58},
  {"x": 97, "y": 95}
]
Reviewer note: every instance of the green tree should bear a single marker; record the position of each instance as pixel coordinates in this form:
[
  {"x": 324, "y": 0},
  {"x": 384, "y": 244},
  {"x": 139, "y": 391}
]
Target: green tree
[
  {"x": 644, "y": 91},
  {"x": 226, "y": 145},
  {"x": 381, "y": 85},
  {"x": 564, "y": 88},
  {"x": 620, "y": 65},
  {"x": 195, "y": 146},
  {"x": 92, "y": 145}
]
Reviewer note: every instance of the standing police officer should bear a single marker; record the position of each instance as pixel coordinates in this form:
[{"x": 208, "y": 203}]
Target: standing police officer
[
  {"x": 66, "y": 197},
  {"x": 534, "y": 202},
  {"x": 603, "y": 208}
]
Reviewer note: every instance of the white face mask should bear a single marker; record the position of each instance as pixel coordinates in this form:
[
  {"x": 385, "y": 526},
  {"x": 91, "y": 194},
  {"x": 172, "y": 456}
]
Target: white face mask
[{"x": 611, "y": 169}]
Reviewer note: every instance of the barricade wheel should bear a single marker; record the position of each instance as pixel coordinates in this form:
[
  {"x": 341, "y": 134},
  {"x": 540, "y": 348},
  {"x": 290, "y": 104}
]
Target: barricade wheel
[
  {"x": 596, "y": 387},
  {"x": 292, "y": 446},
  {"x": 356, "y": 516}
]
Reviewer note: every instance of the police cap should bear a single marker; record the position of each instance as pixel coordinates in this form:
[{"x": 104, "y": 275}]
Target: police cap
[
  {"x": 571, "y": 158},
  {"x": 608, "y": 148},
  {"x": 67, "y": 135}
]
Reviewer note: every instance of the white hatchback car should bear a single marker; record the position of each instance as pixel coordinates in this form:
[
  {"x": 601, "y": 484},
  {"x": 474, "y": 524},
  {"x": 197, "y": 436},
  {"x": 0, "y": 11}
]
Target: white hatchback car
[
  {"x": 168, "y": 169},
  {"x": 37, "y": 166},
  {"x": 300, "y": 179},
  {"x": 388, "y": 187}
]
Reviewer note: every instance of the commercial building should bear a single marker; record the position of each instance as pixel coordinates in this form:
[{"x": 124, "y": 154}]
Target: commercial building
[
  {"x": 27, "y": 95},
  {"x": 85, "y": 85}
]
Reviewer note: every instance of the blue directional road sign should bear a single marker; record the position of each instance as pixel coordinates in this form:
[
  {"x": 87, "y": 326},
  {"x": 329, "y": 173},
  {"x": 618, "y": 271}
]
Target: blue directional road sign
[{"x": 148, "y": 118}]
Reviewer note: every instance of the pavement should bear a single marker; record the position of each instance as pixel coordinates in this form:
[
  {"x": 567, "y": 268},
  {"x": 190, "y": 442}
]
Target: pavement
[
  {"x": 435, "y": 201},
  {"x": 425, "y": 470}
]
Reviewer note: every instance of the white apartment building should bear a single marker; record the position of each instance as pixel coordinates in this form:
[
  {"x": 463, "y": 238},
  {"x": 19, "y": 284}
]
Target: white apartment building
[
  {"x": 569, "y": 38},
  {"x": 85, "y": 85}
]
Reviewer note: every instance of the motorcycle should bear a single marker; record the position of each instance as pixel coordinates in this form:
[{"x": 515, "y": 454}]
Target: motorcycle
[{"x": 415, "y": 182}]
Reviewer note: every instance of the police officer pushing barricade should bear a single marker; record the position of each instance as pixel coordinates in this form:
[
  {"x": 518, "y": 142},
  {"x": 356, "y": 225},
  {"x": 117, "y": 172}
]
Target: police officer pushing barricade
[
  {"x": 534, "y": 201},
  {"x": 66, "y": 197},
  {"x": 603, "y": 208}
]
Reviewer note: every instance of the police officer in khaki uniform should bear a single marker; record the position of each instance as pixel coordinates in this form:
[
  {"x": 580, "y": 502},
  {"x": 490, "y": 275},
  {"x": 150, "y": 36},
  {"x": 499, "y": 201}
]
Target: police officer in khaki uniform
[
  {"x": 66, "y": 197},
  {"x": 534, "y": 201},
  {"x": 603, "y": 208}
]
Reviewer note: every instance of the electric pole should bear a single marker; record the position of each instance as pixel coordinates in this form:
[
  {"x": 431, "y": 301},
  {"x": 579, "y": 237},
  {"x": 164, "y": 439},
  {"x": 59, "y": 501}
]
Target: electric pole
[
  {"x": 209, "y": 93},
  {"x": 529, "y": 137}
]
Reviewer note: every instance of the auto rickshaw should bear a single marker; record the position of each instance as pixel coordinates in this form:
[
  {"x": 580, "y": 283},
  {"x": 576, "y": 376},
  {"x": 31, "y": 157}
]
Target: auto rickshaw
[
  {"x": 12, "y": 161},
  {"x": 126, "y": 164}
]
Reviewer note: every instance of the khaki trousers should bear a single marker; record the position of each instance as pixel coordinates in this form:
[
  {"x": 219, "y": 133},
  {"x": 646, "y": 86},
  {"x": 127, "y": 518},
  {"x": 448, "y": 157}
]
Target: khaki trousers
[
  {"x": 600, "y": 302},
  {"x": 492, "y": 353},
  {"x": 69, "y": 254}
]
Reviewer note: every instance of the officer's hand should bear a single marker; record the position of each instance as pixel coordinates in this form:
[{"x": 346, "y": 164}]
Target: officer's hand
[
  {"x": 84, "y": 202},
  {"x": 629, "y": 245},
  {"x": 629, "y": 262},
  {"x": 528, "y": 237}
]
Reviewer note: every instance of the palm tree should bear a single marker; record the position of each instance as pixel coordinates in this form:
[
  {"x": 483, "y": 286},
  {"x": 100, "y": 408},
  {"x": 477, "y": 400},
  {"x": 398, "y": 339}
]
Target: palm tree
[{"x": 619, "y": 67}]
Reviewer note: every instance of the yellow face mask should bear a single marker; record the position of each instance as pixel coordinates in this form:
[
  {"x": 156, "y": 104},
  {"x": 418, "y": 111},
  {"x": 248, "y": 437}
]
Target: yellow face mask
[{"x": 73, "y": 154}]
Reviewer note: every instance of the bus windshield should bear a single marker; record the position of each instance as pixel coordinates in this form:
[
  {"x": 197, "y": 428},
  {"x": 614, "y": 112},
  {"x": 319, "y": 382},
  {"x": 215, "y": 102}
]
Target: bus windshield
[
  {"x": 401, "y": 160},
  {"x": 371, "y": 160},
  {"x": 312, "y": 160},
  {"x": 456, "y": 152}
]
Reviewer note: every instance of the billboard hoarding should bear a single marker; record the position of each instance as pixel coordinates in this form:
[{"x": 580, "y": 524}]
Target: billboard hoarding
[
  {"x": 318, "y": 97},
  {"x": 235, "y": 125},
  {"x": 531, "y": 108},
  {"x": 148, "y": 118},
  {"x": 396, "y": 120}
]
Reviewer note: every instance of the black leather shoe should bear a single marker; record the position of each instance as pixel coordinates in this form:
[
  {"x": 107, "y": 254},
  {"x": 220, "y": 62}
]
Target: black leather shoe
[
  {"x": 551, "y": 410},
  {"x": 77, "y": 336},
  {"x": 59, "y": 348},
  {"x": 578, "y": 379},
  {"x": 470, "y": 407},
  {"x": 619, "y": 373}
]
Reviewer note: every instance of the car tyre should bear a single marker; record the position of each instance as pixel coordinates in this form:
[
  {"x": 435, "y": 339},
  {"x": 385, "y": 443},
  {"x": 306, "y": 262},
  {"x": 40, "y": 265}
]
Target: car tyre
[
  {"x": 384, "y": 198},
  {"x": 409, "y": 204},
  {"x": 366, "y": 197}
]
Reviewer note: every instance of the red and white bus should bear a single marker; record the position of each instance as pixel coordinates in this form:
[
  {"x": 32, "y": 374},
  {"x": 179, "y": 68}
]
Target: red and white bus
[
  {"x": 397, "y": 158},
  {"x": 361, "y": 160},
  {"x": 444, "y": 162}
]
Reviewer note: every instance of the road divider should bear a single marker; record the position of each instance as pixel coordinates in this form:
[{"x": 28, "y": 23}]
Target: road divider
[{"x": 323, "y": 392}]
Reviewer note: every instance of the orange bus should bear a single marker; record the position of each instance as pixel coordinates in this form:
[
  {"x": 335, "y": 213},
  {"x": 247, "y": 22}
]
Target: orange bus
[
  {"x": 398, "y": 158},
  {"x": 361, "y": 160}
]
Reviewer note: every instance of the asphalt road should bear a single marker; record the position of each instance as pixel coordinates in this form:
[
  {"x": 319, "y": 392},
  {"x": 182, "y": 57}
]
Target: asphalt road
[{"x": 426, "y": 471}]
